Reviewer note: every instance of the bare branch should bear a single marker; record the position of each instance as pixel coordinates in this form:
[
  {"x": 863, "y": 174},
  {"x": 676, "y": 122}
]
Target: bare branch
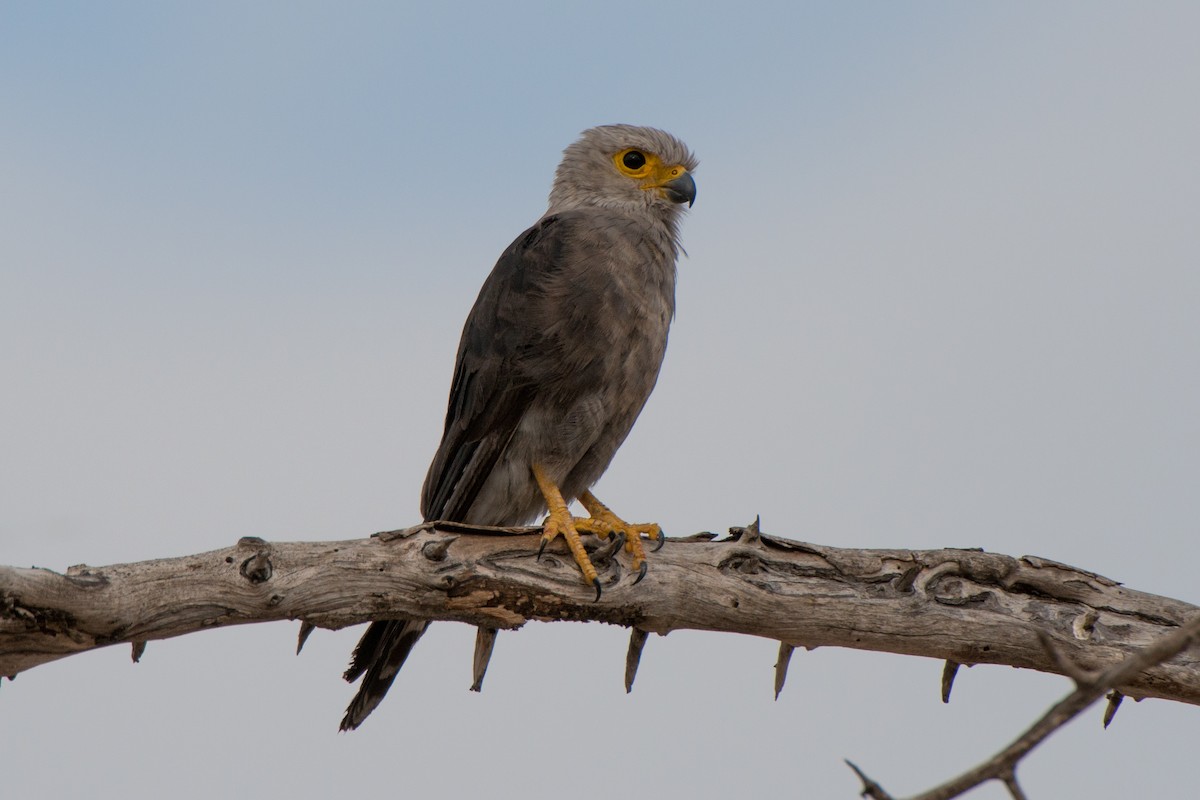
[
  {"x": 964, "y": 606},
  {"x": 1002, "y": 766}
]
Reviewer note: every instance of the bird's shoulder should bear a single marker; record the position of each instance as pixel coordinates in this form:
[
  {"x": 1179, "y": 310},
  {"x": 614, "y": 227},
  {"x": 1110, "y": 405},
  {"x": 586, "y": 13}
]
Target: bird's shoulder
[{"x": 559, "y": 236}]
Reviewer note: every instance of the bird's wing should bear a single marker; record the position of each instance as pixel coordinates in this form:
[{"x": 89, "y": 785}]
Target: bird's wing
[{"x": 501, "y": 364}]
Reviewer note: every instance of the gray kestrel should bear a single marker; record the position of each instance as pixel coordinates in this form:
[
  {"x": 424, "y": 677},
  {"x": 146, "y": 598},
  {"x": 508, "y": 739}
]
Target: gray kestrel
[{"x": 557, "y": 358}]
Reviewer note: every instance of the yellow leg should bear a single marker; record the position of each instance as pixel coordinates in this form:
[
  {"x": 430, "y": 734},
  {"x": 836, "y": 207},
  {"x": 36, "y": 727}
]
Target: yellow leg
[
  {"x": 559, "y": 522},
  {"x": 603, "y": 522}
]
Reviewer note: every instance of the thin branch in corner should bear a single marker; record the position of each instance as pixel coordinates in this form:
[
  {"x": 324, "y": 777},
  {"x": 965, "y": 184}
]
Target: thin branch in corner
[{"x": 1002, "y": 766}]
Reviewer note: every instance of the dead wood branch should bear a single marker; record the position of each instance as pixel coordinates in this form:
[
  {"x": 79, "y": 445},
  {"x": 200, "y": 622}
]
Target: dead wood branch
[
  {"x": 1089, "y": 688},
  {"x": 964, "y": 606}
]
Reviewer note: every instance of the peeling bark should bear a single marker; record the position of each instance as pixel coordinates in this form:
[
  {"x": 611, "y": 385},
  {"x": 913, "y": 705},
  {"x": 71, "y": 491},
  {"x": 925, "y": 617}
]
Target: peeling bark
[{"x": 963, "y": 606}]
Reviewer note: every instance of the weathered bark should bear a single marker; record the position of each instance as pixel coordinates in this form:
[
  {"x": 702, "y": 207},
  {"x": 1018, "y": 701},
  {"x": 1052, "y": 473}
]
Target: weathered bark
[{"x": 965, "y": 606}]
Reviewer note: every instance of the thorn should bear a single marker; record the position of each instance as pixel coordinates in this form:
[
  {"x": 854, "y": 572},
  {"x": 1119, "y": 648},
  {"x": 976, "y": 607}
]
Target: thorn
[
  {"x": 1114, "y": 702},
  {"x": 659, "y": 541},
  {"x": 948, "y": 672},
  {"x": 781, "y": 666},
  {"x": 641, "y": 573},
  {"x": 904, "y": 583},
  {"x": 140, "y": 647},
  {"x": 485, "y": 640},
  {"x": 637, "y": 640},
  {"x": 436, "y": 551},
  {"x": 751, "y": 533},
  {"x": 596, "y": 583},
  {"x": 870, "y": 788},
  {"x": 306, "y": 628}
]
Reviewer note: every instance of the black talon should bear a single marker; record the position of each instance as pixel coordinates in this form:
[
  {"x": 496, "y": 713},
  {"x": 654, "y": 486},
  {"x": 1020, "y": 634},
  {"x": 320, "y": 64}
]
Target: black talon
[
  {"x": 596, "y": 583},
  {"x": 641, "y": 573},
  {"x": 662, "y": 539}
]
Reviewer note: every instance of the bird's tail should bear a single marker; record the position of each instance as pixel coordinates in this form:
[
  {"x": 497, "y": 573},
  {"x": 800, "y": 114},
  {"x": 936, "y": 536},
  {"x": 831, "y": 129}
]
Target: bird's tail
[{"x": 378, "y": 658}]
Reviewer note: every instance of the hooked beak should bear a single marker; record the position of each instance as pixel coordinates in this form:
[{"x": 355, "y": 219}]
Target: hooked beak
[{"x": 681, "y": 189}]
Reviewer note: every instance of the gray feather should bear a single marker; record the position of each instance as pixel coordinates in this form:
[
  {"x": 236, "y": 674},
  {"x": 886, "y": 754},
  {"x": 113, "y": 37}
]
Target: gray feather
[{"x": 557, "y": 358}]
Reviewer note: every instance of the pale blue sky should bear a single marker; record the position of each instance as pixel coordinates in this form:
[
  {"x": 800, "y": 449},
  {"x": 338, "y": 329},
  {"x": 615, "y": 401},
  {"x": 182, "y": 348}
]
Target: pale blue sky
[{"x": 942, "y": 290}]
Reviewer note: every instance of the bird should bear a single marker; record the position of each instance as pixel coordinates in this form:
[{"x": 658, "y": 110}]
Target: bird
[{"x": 557, "y": 358}]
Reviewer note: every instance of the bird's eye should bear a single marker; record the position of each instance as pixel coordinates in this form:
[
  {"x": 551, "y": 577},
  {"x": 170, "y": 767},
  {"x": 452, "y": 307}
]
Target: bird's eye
[{"x": 633, "y": 160}]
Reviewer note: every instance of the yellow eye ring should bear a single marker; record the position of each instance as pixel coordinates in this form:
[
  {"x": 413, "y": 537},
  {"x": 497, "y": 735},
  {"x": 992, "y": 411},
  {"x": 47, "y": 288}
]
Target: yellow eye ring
[{"x": 633, "y": 162}]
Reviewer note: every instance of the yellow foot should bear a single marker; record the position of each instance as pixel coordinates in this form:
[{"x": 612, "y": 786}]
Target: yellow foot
[
  {"x": 560, "y": 523},
  {"x": 604, "y": 522},
  {"x": 564, "y": 525}
]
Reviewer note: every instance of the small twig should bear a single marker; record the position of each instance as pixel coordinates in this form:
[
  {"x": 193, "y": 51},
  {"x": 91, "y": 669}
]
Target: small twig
[
  {"x": 1002, "y": 765},
  {"x": 1010, "y": 781}
]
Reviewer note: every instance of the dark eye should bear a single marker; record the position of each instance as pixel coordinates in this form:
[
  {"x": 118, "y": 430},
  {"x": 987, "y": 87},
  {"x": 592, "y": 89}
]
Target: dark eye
[{"x": 634, "y": 160}]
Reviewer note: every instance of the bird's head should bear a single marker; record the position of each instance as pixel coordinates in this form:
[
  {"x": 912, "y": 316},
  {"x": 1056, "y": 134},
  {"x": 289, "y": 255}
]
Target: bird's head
[{"x": 625, "y": 167}]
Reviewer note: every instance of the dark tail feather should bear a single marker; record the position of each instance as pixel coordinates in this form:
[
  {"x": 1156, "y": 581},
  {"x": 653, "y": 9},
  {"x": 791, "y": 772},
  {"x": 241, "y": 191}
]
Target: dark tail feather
[{"x": 378, "y": 658}]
